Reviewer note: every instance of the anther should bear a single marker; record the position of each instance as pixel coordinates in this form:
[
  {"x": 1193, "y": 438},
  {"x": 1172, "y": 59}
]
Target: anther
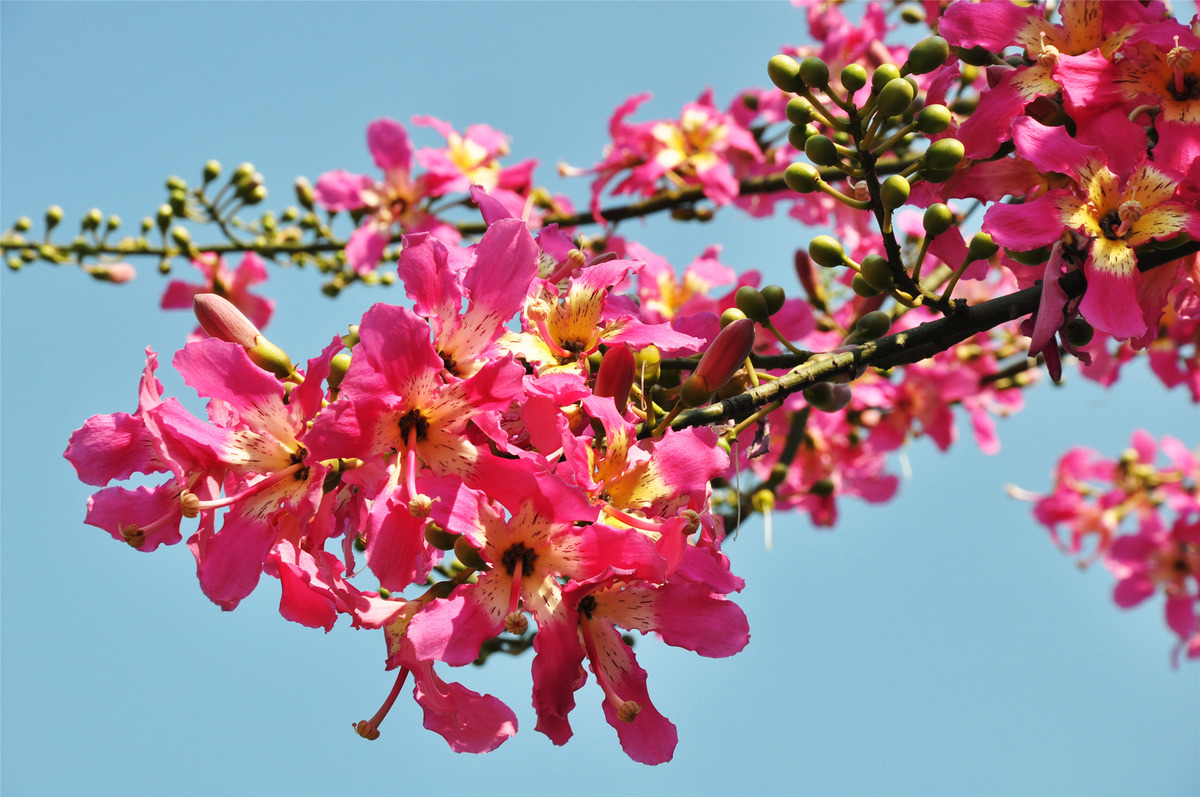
[
  {"x": 189, "y": 502},
  {"x": 516, "y": 623},
  {"x": 1048, "y": 57},
  {"x": 628, "y": 711}
]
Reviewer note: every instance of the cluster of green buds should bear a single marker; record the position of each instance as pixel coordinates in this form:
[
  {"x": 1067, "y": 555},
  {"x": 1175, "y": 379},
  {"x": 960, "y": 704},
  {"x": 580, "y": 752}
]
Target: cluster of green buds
[
  {"x": 855, "y": 142},
  {"x": 95, "y": 230}
]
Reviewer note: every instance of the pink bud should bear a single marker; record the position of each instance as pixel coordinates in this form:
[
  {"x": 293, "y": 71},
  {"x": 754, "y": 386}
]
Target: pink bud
[
  {"x": 725, "y": 355},
  {"x": 220, "y": 319},
  {"x": 614, "y": 378},
  {"x": 121, "y": 272},
  {"x": 806, "y": 272}
]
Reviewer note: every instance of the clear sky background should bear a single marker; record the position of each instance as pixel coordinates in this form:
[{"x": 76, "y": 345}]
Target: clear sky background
[{"x": 937, "y": 644}]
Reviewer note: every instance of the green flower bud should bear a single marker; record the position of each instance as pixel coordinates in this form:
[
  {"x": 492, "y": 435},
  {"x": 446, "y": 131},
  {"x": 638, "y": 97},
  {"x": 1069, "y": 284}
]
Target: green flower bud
[
  {"x": 23, "y": 224},
  {"x": 937, "y": 219},
  {"x": 981, "y": 247},
  {"x": 784, "y": 72},
  {"x": 15, "y": 263},
  {"x": 181, "y": 236},
  {"x": 912, "y": 15},
  {"x": 944, "y": 154},
  {"x": 895, "y": 97},
  {"x": 826, "y": 251},
  {"x": 877, "y": 273},
  {"x": 79, "y": 244},
  {"x": 873, "y": 325},
  {"x": 775, "y": 297},
  {"x": 615, "y": 375},
  {"x": 178, "y": 202},
  {"x": 862, "y": 287},
  {"x": 820, "y": 150},
  {"x": 176, "y": 184},
  {"x": 54, "y": 215},
  {"x": 937, "y": 175},
  {"x": 751, "y": 302},
  {"x": 927, "y": 55},
  {"x": 439, "y": 538},
  {"x": 823, "y": 487},
  {"x": 854, "y": 77},
  {"x": 801, "y": 178},
  {"x": 894, "y": 192},
  {"x": 1030, "y": 257},
  {"x": 212, "y": 170},
  {"x": 1079, "y": 332},
  {"x": 468, "y": 554},
  {"x": 304, "y": 192},
  {"x": 730, "y": 315},
  {"x": 884, "y": 74},
  {"x": 338, "y": 367},
  {"x": 112, "y": 222},
  {"x": 92, "y": 219},
  {"x": 824, "y": 397},
  {"x": 799, "y": 135},
  {"x": 258, "y": 194},
  {"x": 147, "y": 224},
  {"x": 646, "y": 365},
  {"x": 814, "y": 72},
  {"x": 799, "y": 111},
  {"x": 933, "y": 119},
  {"x": 242, "y": 175}
]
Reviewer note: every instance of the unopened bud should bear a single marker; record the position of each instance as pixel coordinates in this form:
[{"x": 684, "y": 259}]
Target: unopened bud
[
  {"x": 799, "y": 111},
  {"x": 801, "y": 178},
  {"x": 338, "y": 367},
  {"x": 775, "y": 296},
  {"x": 439, "y": 538},
  {"x": 54, "y": 215},
  {"x": 854, "y": 77},
  {"x": 814, "y": 72},
  {"x": 821, "y": 150},
  {"x": 725, "y": 356},
  {"x": 304, "y": 192},
  {"x": 863, "y": 288},
  {"x": 944, "y": 154},
  {"x": 826, "y": 251},
  {"x": 927, "y": 55},
  {"x": 826, "y": 397},
  {"x": 468, "y": 554},
  {"x": 937, "y": 219},
  {"x": 243, "y": 175},
  {"x": 981, "y": 247},
  {"x": 220, "y": 319},
  {"x": 269, "y": 357},
  {"x": 647, "y": 365},
  {"x": 751, "y": 302},
  {"x": 181, "y": 237},
  {"x": 730, "y": 315},
  {"x": 23, "y": 224},
  {"x": 877, "y": 272},
  {"x": 873, "y": 325},
  {"x": 212, "y": 170},
  {"x": 895, "y": 97},
  {"x": 933, "y": 119},
  {"x": 884, "y": 74},
  {"x": 615, "y": 376},
  {"x": 113, "y": 272},
  {"x": 784, "y": 72},
  {"x": 92, "y": 219},
  {"x": 894, "y": 192}
]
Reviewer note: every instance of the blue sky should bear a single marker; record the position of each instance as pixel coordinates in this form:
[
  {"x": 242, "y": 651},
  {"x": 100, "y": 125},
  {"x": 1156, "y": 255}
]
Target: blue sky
[{"x": 934, "y": 645}]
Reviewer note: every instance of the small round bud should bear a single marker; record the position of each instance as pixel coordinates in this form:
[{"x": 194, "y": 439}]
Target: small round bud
[
  {"x": 894, "y": 192},
  {"x": 439, "y": 538},
  {"x": 862, "y": 287},
  {"x": 212, "y": 170},
  {"x": 826, "y": 251},
  {"x": 884, "y": 74},
  {"x": 242, "y": 175},
  {"x": 177, "y": 201},
  {"x": 944, "y": 154},
  {"x": 751, "y": 302},
  {"x": 338, "y": 366},
  {"x": 821, "y": 150},
  {"x": 822, "y": 487},
  {"x": 798, "y": 111},
  {"x": 147, "y": 224},
  {"x": 814, "y": 72},
  {"x": 304, "y": 192},
  {"x": 730, "y": 315},
  {"x": 877, "y": 272},
  {"x": 15, "y": 263},
  {"x": 895, "y": 97},
  {"x": 646, "y": 365},
  {"x": 798, "y": 135},
  {"x": 873, "y": 325},
  {"x": 854, "y": 77},
  {"x": 54, "y": 215},
  {"x": 801, "y": 178},
  {"x": 912, "y": 15},
  {"x": 933, "y": 119},
  {"x": 927, "y": 55},
  {"x": 775, "y": 297},
  {"x": 175, "y": 183},
  {"x": 937, "y": 219},
  {"x": 181, "y": 236},
  {"x": 256, "y": 195},
  {"x": 23, "y": 224},
  {"x": 981, "y": 247},
  {"x": 1079, "y": 332},
  {"x": 92, "y": 219},
  {"x": 468, "y": 554},
  {"x": 784, "y": 72},
  {"x": 112, "y": 222}
]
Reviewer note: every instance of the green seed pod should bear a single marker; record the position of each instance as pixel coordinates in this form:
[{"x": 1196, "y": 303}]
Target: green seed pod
[
  {"x": 862, "y": 287},
  {"x": 1079, "y": 332},
  {"x": 826, "y": 251},
  {"x": 884, "y": 74},
  {"x": 873, "y": 325},
  {"x": 894, "y": 192},
  {"x": 877, "y": 273},
  {"x": 854, "y": 77},
  {"x": 798, "y": 111},
  {"x": 938, "y": 219},
  {"x": 730, "y": 315},
  {"x": 895, "y": 97},
  {"x": 933, "y": 119},
  {"x": 784, "y": 72},
  {"x": 944, "y": 154},
  {"x": 820, "y": 150},
  {"x": 981, "y": 247},
  {"x": 212, "y": 170},
  {"x": 751, "y": 302},
  {"x": 927, "y": 55},
  {"x": 814, "y": 72},
  {"x": 801, "y": 178},
  {"x": 775, "y": 297}
]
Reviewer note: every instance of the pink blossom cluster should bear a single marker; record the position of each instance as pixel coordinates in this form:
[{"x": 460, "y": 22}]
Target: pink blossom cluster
[
  {"x": 1157, "y": 506},
  {"x": 446, "y": 431}
]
